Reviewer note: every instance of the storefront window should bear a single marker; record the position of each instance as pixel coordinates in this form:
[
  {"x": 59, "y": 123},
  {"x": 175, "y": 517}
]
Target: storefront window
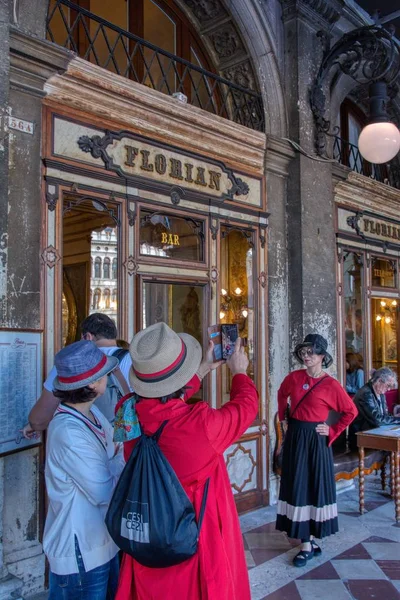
[
  {"x": 383, "y": 272},
  {"x": 353, "y": 305},
  {"x": 170, "y": 236},
  {"x": 90, "y": 244},
  {"x": 384, "y": 333},
  {"x": 237, "y": 293}
]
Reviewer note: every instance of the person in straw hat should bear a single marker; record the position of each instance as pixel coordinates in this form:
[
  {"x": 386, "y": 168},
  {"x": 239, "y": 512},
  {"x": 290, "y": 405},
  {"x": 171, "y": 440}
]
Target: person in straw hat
[
  {"x": 307, "y": 497},
  {"x": 82, "y": 467},
  {"x": 167, "y": 369}
]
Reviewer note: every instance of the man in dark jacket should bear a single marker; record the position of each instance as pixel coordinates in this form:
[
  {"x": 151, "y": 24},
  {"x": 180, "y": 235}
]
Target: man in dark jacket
[{"x": 371, "y": 404}]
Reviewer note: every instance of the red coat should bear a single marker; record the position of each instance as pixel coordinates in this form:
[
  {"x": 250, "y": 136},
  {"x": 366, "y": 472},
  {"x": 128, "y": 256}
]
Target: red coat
[{"x": 193, "y": 441}]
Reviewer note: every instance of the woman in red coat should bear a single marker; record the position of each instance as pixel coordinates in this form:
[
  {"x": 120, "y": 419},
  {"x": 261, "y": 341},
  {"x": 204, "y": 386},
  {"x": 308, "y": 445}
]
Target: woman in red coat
[{"x": 166, "y": 371}]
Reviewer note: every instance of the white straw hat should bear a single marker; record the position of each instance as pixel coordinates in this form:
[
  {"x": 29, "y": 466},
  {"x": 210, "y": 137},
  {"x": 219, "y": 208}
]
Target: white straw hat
[{"x": 162, "y": 361}]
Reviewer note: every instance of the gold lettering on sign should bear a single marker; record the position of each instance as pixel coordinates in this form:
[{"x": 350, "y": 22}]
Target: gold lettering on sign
[
  {"x": 215, "y": 180},
  {"x": 381, "y": 229},
  {"x": 170, "y": 238},
  {"x": 131, "y": 154},
  {"x": 173, "y": 168},
  {"x": 176, "y": 168},
  {"x": 189, "y": 169},
  {"x": 200, "y": 180},
  {"x": 146, "y": 166},
  {"x": 160, "y": 164}
]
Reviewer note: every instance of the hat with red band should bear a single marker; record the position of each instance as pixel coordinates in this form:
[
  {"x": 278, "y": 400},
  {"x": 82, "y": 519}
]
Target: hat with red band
[
  {"x": 81, "y": 363},
  {"x": 162, "y": 361}
]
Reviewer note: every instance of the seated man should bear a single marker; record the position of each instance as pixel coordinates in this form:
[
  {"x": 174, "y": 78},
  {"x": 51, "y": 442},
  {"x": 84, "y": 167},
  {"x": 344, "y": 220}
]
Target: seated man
[
  {"x": 101, "y": 330},
  {"x": 371, "y": 403}
]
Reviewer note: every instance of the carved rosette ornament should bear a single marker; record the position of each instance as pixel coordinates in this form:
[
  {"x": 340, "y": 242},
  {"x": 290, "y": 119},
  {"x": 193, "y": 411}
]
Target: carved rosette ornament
[
  {"x": 206, "y": 10},
  {"x": 264, "y": 427},
  {"x": 225, "y": 42},
  {"x": 50, "y": 256},
  {"x": 262, "y": 279},
  {"x": 214, "y": 274},
  {"x": 131, "y": 265},
  {"x": 241, "y": 465}
]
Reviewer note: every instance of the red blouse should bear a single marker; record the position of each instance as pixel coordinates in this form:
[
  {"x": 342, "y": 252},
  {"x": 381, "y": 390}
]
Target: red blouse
[{"x": 329, "y": 395}]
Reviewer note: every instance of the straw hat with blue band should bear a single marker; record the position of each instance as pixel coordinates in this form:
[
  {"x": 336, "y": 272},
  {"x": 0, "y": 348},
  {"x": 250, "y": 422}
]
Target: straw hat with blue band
[
  {"x": 162, "y": 361},
  {"x": 80, "y": 364}
]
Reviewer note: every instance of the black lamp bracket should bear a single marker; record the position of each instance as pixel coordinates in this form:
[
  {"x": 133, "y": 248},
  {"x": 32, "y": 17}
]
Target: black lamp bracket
[{"x": 370, "y": 56}]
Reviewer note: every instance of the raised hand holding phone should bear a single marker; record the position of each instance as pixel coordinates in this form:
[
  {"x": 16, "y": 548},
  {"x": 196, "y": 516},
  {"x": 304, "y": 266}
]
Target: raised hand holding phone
[{"x": 238, "y": 361}]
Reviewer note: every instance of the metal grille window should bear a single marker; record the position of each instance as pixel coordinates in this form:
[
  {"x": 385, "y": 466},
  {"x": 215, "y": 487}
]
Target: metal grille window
[{"x": 118, "y": 50}]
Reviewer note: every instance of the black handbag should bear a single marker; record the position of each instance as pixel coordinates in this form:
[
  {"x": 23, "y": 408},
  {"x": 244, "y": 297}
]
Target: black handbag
[{"x": 150, "y": 516}]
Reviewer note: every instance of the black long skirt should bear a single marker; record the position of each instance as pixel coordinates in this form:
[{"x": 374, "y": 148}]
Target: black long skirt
[{"x": 307, "y": 497}]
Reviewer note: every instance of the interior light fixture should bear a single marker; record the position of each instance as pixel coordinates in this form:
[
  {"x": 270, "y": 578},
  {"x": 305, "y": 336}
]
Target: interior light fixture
[
  {"x": 394, "y": 302},
  {"x": 383, "y": 303},
  {"x": 222, "y": 315},
  {"x": 388, "y": 320},
  {"x": 379, "y": 141},
  {"x": 378, "y": 317}
]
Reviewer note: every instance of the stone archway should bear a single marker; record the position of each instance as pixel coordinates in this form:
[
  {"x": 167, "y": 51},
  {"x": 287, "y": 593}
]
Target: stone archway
[{"x": 239, "y": 37}]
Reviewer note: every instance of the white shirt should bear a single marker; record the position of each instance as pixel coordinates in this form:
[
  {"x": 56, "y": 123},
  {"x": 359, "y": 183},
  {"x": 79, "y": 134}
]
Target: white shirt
[
  {"x": 81, "y": 474},
  {"x": 124, "y": 366}
]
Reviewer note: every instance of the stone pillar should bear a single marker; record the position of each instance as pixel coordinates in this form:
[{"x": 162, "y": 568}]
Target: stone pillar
[
  {"x": 278, "y": 158},
  {"x": 26, "y": 62},
  {"x": 311, "y": 237}
]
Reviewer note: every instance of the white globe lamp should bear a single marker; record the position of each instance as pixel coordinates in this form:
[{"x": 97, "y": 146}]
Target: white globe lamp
[{"x": 379, "y": 141}]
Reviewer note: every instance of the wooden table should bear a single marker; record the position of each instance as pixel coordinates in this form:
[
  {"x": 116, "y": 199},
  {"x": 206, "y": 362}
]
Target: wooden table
[{"x": 385, "y": 438}]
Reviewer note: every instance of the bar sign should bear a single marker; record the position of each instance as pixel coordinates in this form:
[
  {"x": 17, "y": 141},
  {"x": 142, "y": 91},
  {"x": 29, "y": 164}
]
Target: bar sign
[{"x": 20, "y": 125}]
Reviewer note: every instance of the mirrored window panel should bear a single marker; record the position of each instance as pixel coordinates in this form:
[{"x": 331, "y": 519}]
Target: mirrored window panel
[
  {"x": 237, "y": 292},
  {"x": 90, "y": 263},
  {"x": 171, "y": 237},
  {"x": 383, "y": 272},
  {"x": 384, "y": 333},
  {"x": 353, "y": 305}
]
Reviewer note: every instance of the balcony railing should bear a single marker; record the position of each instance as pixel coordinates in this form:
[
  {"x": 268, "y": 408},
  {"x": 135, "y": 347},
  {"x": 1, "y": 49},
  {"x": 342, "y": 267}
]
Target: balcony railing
[
  {"x": 349, "y": 155},
  {"x": 124, "y": 53}
]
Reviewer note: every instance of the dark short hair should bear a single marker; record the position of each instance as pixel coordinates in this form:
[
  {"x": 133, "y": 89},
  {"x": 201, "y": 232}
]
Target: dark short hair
[
  {"x": 79, "y": 396},
  {"x": 99, "y": 325}
]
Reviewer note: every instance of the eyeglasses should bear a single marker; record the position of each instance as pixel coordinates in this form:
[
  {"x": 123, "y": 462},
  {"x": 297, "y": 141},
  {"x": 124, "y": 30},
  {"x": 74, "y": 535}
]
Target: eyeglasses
[{"x": 306, "y": 352}]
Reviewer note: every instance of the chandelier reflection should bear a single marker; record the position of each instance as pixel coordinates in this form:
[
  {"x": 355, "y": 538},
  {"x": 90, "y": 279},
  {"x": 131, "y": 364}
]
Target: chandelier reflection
[
  {"x": 387, "y": 312},
  {"x": 233, "y": 307}
]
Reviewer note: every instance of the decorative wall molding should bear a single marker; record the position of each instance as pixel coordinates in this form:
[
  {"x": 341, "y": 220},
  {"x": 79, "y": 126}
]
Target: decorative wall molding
[
  {"x": 130, "y": 265},
  {"x": 241, "y": 465},
  {"x": 52, "y": 195},
  {"x": 50, "y": 256}
]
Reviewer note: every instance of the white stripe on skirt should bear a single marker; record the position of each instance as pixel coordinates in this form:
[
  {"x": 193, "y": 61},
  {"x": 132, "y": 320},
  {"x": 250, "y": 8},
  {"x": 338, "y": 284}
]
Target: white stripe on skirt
[{"x": 307, "y": 513}]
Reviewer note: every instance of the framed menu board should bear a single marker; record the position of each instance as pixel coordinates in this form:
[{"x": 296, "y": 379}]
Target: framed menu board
[{"x": 20, "y": 385}]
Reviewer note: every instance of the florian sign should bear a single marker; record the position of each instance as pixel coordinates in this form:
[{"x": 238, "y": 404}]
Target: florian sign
[
  {"x": 142, "y": 161},
  {"x": 369, "y": 227}
]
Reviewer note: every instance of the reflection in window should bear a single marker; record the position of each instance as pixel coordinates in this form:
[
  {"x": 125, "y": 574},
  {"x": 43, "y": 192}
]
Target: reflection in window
[
  {"x": 237, "y": 294},
  {"x": 170, "y": 236},
  {"x": 384, "y": 333},
  {"x": 106, "y": 298},
  {"x": 181, "y": 306},
  {"x": 353, "y": 309},
  {"x": 96, "y": 299},
  {"x": 114, "y": 268},
  {"x": 383, "y": 272},
  {"x": 97, "y": 267},
  {"x": 106, "y": 268},
  {"x": 89, "y": 226},
  {"x": 159, "y": 29}
]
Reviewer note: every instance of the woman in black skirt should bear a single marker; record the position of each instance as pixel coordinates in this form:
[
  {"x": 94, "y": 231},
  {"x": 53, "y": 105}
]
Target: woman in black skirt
[{"x": 307, "y": 498}]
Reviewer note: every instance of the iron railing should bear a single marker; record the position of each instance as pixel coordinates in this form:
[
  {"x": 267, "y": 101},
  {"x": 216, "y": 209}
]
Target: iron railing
[
  {"x": 349, "y": 155},
  {"x": 126, "y": 54}
]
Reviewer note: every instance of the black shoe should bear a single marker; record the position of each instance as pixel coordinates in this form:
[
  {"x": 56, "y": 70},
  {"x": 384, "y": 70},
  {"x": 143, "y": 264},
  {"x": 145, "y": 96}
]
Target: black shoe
[
  {"x": 302, "y": 558},
  {"x": 316, "y": 549}
]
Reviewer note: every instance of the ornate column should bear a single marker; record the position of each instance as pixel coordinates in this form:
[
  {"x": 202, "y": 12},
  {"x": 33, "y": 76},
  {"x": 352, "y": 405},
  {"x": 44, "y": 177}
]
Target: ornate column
[{"x": 310, "y": 232}]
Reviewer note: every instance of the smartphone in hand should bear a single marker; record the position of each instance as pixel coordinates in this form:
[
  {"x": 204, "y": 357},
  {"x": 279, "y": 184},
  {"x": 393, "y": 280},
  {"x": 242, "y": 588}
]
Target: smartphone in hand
[{"x": 224, "y": 337}]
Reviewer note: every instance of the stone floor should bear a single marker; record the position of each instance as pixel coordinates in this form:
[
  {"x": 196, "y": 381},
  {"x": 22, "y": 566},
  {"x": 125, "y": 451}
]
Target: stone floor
[{"x": 361, "y": 562}]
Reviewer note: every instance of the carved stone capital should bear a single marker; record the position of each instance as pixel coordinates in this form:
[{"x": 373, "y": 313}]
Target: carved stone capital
[{"x": 322, "y": 13}]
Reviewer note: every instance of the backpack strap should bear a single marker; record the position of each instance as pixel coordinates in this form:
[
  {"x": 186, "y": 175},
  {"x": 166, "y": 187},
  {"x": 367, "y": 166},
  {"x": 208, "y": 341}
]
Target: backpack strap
[
  {"x": 156, "y": 435},
  {"x": 120, "y": 353},
  {"x": 203, "y": 504}
]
